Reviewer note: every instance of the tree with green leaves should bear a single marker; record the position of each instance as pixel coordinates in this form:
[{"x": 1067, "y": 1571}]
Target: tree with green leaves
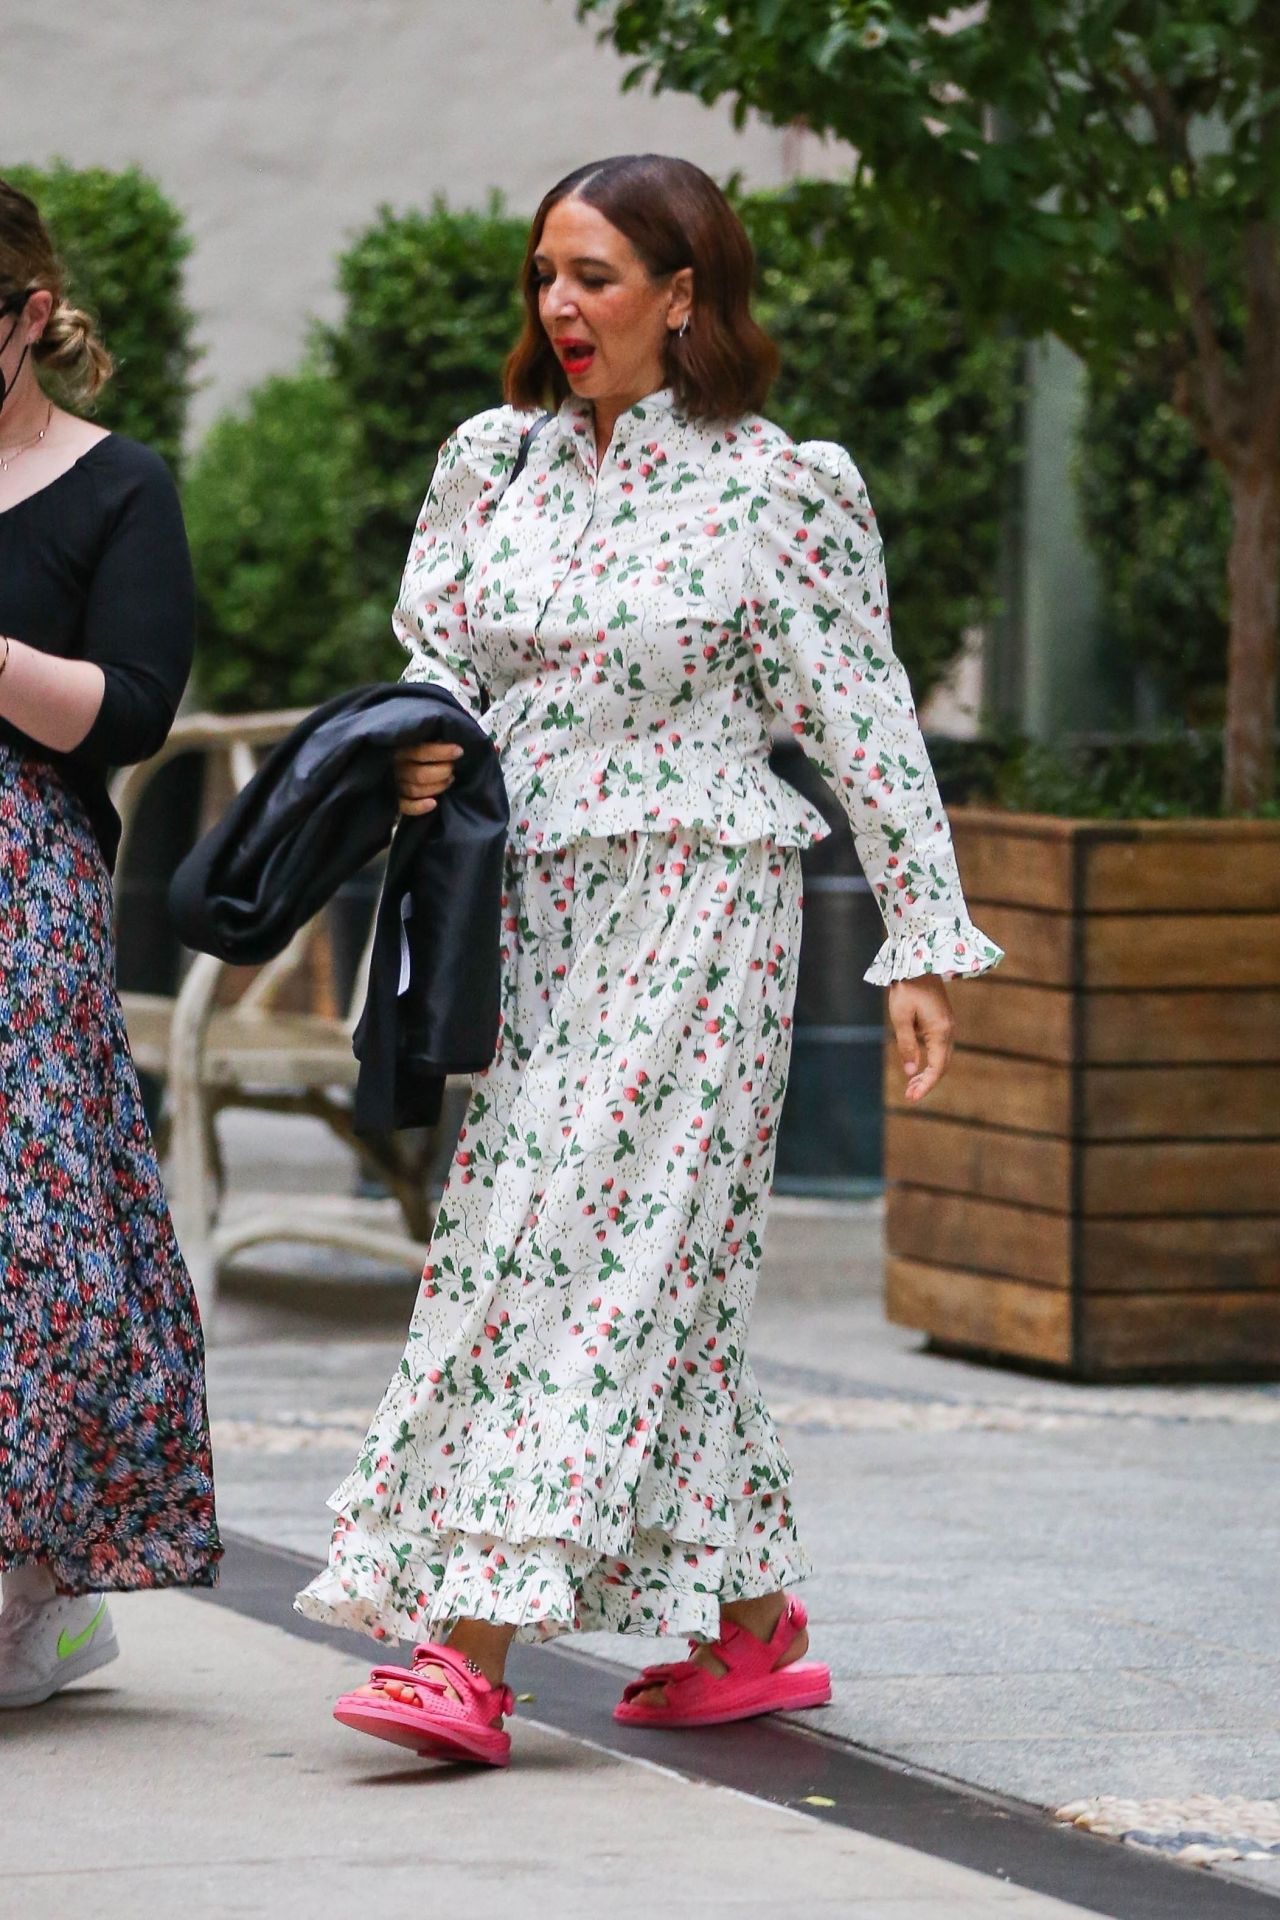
[{"x": 1104, "y": 170}]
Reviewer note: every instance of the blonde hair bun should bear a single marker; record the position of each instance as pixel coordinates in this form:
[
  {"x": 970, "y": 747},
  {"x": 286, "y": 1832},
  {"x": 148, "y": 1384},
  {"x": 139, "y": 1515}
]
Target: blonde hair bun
[{"x": 70, "y": 348}]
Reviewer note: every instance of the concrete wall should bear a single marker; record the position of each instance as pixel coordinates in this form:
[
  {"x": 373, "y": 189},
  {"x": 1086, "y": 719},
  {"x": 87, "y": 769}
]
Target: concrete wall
[{"x": 279, "y": 126}]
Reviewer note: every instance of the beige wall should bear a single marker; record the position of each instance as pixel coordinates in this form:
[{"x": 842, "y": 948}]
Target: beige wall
[{"x": 278, "y": 126}]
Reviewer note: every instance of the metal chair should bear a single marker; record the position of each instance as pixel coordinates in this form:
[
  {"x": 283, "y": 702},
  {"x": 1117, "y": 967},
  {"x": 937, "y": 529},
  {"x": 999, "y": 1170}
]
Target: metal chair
[{"x": 215, "y": 1049}]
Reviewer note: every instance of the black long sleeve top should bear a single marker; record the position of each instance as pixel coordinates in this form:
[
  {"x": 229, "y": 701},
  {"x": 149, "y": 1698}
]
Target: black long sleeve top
[{"x": 95, "y": 566}]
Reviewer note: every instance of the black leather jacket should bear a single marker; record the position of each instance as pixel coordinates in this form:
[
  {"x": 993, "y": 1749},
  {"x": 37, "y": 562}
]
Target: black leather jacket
[{"x": 321, "y": 805}]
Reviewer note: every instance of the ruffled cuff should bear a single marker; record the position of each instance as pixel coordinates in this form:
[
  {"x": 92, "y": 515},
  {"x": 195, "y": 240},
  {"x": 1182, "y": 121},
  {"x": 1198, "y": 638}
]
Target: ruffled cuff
[{"x": 943, "y": 943}]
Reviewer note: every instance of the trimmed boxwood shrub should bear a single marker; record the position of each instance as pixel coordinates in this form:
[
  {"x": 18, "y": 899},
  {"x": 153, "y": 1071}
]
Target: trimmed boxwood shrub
[
  {"x": 301, "y": 505},
  {"x": 124, "y": 247},
  {"x": 430, "y": 311},
  {"x": 270, "y": 503}
]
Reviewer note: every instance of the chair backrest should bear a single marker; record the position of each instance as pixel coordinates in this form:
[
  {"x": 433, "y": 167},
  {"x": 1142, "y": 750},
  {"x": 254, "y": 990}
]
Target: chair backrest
[
  {"x": 232, "y": 744},
  {"x": 235, "y": 738}
]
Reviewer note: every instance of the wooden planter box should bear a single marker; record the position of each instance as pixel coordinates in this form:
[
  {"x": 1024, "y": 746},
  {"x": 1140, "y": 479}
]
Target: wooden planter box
[{"x": 1095, "y": 1186}]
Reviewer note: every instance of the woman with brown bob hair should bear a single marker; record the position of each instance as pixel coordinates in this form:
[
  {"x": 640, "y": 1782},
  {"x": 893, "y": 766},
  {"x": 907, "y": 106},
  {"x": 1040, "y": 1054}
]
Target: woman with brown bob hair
[
  {"x": 105, "y": 1475},
  {"x": 633, "y": 590},
  {"x": 723, "y": 363}
]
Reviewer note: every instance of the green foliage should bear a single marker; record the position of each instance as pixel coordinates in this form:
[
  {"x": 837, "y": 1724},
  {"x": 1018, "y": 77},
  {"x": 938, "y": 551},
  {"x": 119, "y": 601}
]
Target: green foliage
[
  {"x": 431, "y": 310},
  {"x": 268, "y": 505},
  {"x": 878, "y": 357},
  {"x": 969, "y": 771},
  {"x": 301, "y": 506},
  {"x": 1171, "y": 774},
  {"x": 1176, "y": 774},
  {"x": 1167, "y": 774},
  {"x": 123, "y": 245},
  {"x": 1157, "y": 516},
  {"x": 1107, "y": 171},
  {"x": 1068, "y": 222}
]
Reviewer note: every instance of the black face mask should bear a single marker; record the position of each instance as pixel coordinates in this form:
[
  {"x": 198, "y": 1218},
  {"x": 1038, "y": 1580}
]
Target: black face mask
[{"x": 15, "y": 307}]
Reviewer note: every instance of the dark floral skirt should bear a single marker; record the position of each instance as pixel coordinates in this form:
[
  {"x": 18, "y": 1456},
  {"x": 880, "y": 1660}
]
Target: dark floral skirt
[{"x": 105, "y": 1468}]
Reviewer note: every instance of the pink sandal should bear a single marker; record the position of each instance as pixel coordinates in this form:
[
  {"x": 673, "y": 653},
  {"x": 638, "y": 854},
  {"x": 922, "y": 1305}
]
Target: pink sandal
[
  {"x": 415, "y": 1710},
  {"x": 754, "y": 1683}
]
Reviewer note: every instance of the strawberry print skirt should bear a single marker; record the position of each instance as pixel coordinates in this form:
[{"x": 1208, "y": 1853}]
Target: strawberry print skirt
[
  {"x": 105, "y": 1472},
  {"x": 574, "y": 1437}
]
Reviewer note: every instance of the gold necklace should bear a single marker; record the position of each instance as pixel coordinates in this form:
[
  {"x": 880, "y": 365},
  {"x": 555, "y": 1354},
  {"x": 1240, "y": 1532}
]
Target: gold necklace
[{"x": 15, "y": 453}]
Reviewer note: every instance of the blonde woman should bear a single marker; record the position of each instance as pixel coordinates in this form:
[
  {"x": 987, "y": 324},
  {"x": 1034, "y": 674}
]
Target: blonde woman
[
  {"x": 574, "y": 1437},
  {"x": 105, "y": 1474}
]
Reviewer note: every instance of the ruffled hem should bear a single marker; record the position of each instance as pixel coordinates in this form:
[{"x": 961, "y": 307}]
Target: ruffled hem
[
  {"x": 589, "y": 1470},
  {"x": 582, "y": 795},
  {"x": 145, "y": 1570},
  {"x": 944, "y": 943},
  {"x": 111, "y": 1490},
  {"x": 394, "y": 1587}
]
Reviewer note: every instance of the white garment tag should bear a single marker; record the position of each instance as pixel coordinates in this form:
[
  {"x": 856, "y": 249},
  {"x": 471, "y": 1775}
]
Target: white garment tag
[{"x": 406, "y": 914}]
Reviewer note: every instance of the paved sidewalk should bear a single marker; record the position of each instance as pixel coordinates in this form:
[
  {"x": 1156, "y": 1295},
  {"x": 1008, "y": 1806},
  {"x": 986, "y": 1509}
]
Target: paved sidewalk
[
  {"x": 200, "y": 1776},
  {"x": 1065, "y": 1595}
]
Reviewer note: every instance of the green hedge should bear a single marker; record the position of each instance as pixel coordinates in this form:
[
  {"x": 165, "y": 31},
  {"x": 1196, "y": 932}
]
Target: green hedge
[
  {"x": 430, "y": 311},
  {"x": 873, "y": 358},
  {"x": 1157, "y": 516},
  {"x": 269, "y": 505},
  {"x": 301, "y": 504},
  {"x": 124, "y": 247},
  {"x": 1167, "y": 774}
]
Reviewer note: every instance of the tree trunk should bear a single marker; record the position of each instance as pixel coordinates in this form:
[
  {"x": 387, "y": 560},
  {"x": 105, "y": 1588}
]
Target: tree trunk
[{"x": 1253, "y": 577}]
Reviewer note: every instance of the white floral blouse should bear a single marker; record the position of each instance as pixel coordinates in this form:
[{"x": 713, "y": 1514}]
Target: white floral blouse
[{"x": 639, "y": 625}]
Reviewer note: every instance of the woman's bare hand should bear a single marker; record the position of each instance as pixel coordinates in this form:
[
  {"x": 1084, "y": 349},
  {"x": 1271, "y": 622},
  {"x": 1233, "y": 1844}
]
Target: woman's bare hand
[
  {"x": 423, "y": 773},
  {"x": 920, "y": 1013}
]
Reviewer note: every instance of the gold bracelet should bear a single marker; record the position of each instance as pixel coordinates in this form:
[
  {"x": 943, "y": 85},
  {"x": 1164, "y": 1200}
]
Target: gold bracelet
[{"x": 4, "y": 663}]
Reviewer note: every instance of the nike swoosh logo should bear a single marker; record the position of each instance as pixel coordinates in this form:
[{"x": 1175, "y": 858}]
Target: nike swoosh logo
[{"x": 67, "y": 1646}]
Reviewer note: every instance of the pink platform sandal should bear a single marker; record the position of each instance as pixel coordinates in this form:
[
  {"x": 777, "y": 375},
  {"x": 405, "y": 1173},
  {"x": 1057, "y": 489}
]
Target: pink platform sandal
[
  {"x": 754, "y": 1683},
  {"x": 415, "y": 1710}
]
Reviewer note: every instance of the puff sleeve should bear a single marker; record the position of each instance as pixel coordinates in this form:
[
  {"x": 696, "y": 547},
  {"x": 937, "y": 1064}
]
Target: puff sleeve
[
  {"x": 820, "y": 631},
  {"x": 430, "y": 618}
]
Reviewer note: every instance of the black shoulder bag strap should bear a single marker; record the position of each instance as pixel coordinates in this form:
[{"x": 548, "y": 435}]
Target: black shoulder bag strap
[{"x": 527, "y": 439}]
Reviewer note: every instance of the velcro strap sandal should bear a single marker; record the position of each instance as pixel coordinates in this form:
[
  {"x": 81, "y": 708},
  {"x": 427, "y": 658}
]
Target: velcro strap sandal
[
  {"x": 415, "y": 1709},
  {"x": 752, "y": 1682}
]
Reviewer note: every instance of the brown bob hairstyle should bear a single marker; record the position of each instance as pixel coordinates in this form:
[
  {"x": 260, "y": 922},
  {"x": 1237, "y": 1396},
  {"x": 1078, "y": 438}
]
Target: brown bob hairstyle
[{"x": 675, "y": 216}]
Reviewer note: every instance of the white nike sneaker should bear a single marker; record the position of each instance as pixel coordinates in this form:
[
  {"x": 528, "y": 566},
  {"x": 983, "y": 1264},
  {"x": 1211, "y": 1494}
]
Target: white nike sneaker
[{"x": 46, "y": 1644}]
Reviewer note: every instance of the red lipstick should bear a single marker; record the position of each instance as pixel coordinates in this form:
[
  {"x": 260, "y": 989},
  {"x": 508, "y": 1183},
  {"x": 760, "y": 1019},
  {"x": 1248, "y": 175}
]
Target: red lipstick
[{"x": 575, "y": 355}]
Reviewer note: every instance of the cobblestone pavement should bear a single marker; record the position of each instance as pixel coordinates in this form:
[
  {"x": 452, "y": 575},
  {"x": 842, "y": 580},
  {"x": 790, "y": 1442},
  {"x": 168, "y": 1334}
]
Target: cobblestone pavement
[
  {"x": 1200, "y": 1829},
  {"x": 1064, "y": 1594}
]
